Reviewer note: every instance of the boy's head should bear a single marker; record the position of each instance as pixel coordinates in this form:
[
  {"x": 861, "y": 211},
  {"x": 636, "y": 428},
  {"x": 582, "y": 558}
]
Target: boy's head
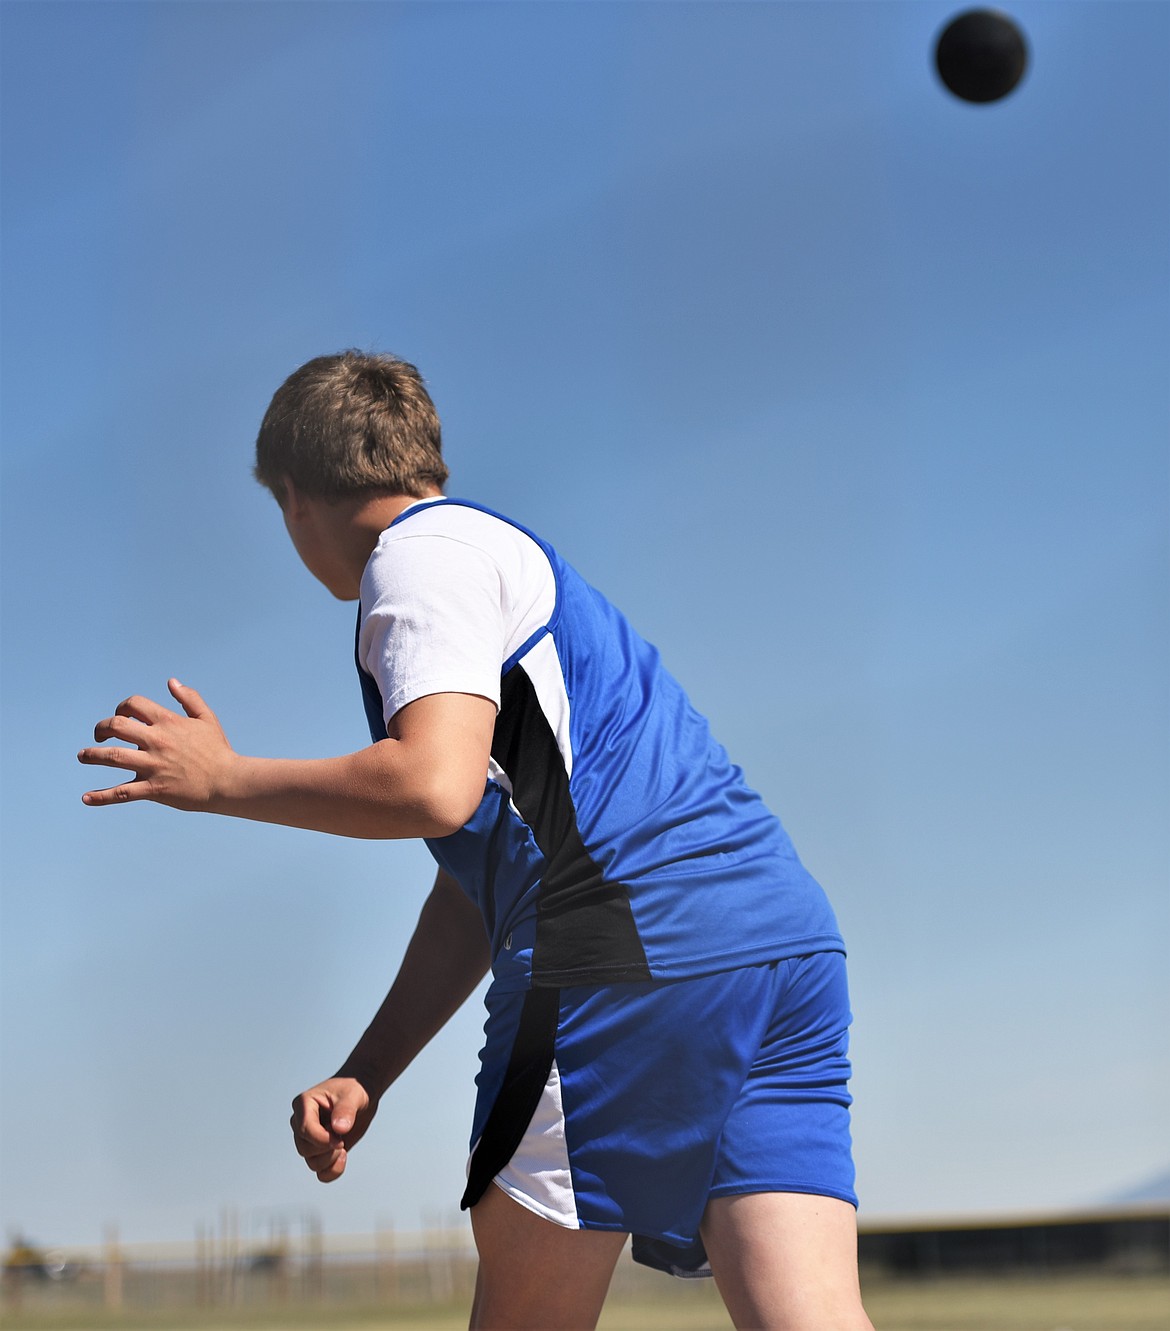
[{"x": 351, "y": 424}]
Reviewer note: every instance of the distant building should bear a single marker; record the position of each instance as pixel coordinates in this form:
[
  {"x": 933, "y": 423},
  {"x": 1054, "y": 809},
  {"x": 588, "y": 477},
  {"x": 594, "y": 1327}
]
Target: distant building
[{"x": 1135, "y": 1240}]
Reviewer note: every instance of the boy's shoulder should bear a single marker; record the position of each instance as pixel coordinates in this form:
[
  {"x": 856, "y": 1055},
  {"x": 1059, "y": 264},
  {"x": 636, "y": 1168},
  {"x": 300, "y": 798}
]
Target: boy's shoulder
[
  {"x": 451, "y": 512},
  {"x": 462, "y": 521},
  {"x": 446, "y": 542}
]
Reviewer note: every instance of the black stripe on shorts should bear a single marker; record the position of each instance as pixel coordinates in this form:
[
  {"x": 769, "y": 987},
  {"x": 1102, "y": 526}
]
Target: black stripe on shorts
[{"x": 524, "y": 1082}]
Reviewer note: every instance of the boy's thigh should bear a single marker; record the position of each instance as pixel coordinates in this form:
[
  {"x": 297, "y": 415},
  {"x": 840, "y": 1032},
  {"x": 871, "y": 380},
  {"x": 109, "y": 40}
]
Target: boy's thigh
[
  {"x": 536, "y": 1274},
  {"x": 786, "y": 1261}
]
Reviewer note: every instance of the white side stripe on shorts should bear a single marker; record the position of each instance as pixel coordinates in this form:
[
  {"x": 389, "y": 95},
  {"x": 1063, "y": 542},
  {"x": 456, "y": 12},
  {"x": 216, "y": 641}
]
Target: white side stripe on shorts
[{"x": 538, "y": 1174}]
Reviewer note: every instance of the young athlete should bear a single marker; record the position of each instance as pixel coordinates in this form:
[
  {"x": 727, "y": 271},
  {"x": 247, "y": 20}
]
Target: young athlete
[{"x": 667, "y": 1022}]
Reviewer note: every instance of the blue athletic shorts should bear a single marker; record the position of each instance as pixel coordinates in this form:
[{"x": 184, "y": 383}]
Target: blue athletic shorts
[{"x": 629, "y": 1106}]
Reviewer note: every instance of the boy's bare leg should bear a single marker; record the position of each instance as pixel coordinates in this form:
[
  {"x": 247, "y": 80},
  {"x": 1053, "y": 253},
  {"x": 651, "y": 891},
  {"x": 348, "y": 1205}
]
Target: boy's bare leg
[
  {"x": 534, "y": 1275},
  {"x": 786, "y": 1261}
]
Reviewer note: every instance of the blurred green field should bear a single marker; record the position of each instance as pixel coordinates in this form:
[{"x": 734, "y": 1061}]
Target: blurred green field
[{"x": 1056, "y": 1303}]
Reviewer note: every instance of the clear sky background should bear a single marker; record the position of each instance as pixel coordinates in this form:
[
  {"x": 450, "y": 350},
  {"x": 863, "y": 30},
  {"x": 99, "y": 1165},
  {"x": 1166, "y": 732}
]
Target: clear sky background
[{"x": 852, "y": 395}]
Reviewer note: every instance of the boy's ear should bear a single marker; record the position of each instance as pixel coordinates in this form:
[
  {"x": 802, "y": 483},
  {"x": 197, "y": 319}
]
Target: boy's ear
[{"x": 291, "y": 500}]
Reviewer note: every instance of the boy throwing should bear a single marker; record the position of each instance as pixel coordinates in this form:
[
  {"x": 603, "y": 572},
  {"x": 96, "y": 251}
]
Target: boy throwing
[{"x": 667, "y": 1022}]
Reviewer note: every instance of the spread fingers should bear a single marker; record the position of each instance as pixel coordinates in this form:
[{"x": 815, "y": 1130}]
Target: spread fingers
[
  {"x": 141, "y": 709},
  {"x": 119, "y": 727}
]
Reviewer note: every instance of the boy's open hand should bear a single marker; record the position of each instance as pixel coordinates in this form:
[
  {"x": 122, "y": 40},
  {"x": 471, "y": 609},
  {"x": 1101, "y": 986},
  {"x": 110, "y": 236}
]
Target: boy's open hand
[
  {"x": 179, "y": 760},
  {"x": 328, "y": 1122}
]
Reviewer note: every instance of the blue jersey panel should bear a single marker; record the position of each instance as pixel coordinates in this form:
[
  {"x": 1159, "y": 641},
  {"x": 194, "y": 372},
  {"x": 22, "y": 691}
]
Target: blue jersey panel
[
  {"x": 713, "y": 879},
  {"x": 630, "y": 847}
]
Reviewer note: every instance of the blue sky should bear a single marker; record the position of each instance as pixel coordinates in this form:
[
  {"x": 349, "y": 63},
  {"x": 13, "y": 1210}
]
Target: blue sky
[{"x": 852, "y": 395}]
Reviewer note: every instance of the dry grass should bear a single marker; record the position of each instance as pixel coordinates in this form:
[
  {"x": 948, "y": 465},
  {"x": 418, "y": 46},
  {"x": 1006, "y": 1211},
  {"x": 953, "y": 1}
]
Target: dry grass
[
  {"x": 1057, "y": 1303},
  {"x": 1064, "y": 1303}
]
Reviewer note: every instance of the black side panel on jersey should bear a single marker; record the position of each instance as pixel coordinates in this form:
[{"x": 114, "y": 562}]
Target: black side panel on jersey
[{"x": 585, "y": 930}]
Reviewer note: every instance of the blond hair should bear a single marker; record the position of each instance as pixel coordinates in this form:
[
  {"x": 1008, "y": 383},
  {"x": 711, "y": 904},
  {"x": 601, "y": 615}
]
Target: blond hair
[{"x": 349, "y": 423}]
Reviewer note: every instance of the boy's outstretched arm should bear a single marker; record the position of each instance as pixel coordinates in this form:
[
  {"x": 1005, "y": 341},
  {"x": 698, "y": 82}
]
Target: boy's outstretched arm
[
  {"x": 447, "y": 957},
  {"x": 425, "y": 780}
]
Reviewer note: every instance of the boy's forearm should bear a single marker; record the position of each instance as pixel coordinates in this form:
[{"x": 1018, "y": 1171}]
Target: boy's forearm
[
  {"x": 425, "y": 780},
  {"x": 447, "y": 957},
  {"x": 376, "y": 793}
]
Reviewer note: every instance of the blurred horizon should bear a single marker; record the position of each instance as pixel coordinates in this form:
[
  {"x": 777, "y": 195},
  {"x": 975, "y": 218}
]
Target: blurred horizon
[{"x": 252, "y": 1226}]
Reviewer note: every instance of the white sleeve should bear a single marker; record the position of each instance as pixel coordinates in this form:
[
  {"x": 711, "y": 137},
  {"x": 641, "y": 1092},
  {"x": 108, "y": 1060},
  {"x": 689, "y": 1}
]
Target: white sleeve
[{"x": 434, "y": 620}]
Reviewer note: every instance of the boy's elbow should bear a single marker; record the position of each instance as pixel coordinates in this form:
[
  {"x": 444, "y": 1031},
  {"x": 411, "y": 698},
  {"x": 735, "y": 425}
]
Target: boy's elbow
[
  {"x": 446, "y": 803},
  {"x": 430, "y": 778},
  {"x": 437, "y": 821}
]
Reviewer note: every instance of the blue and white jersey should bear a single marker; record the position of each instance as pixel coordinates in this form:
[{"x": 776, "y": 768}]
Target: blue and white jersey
[{"x": 615, "y": 840}]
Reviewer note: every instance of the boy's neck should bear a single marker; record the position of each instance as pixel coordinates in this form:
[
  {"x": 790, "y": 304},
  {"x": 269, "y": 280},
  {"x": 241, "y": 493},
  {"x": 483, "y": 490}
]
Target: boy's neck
[
  {"x": 365, "y": 521},
  {"x": 335, "y": 539},
  {"x": 370, "y": 517}
]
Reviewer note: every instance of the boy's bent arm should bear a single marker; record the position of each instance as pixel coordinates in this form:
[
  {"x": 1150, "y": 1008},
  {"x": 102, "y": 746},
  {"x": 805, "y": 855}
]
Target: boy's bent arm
[
  {"x": 447, "y": 957},
  {"x": 425, "y": 780}
]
